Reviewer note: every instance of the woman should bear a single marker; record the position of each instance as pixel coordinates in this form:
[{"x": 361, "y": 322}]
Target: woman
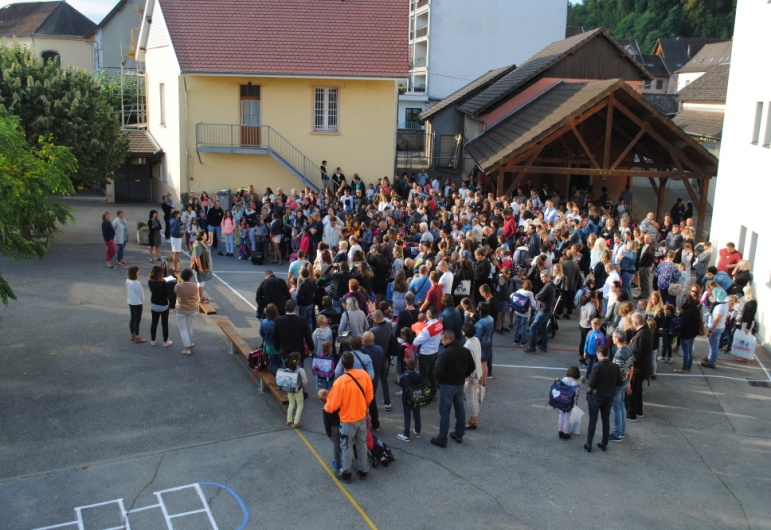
[
  {"x": 121, "y": 236},
  {"x": 668, "y": 273},
  {"x": 485, "y": 327},
  {"x": 399, "y": 289},
  {"x": 276, "y": 233},
  {"x": 750, "y": 310},
  {"x": 409, "y": 315},
  {"x": 108, "y": 234},
  {"x": 353, "y": 322},
  {"x": 261, "y": 234},
  {"x": 702, "y": 262},
  {"x": 471, "y": 388},
  {"x": 463, "y": 280},
  {"x": 690, "y": 317},
  {"x": 201, "y": 264},
  {"x": 135, "y": 297},
  {"x": 590, "y": 307},
  {"x": 267, "y": 327},
  {"x": 159, "y": 305},
  {"x": 742, "y": 277},
  {"x": 450, "y": 317},
  {"x": 656, "y": 315},
  {"x": 228, "y": 227},
  {"x": 598, "y": 250},
  {"x": 398, "y": 263},
  {"x": 602, "y": 382},
  {"x": 167, "y": 208},
  {"x": 186, "y": 308},
  {"x": 558, "y": 279},
  {"x": 177, "y": 232},
  {"x": 154, "y": 235},
  {"x": 629, "y": 267}
]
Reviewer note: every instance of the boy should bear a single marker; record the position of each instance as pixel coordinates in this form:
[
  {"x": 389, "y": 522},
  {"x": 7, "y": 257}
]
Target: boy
[
  {"x": 410, "y": 378},
  {"x": 594, "y": 341},
  {"x": 332, "y": 426}
]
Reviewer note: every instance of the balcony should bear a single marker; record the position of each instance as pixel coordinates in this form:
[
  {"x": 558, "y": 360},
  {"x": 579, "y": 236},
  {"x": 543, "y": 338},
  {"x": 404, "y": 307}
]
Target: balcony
[
  {"x": 422, "y": 32},
  {"x": 419, "y": 62},
  {"x": 420, "y": 3}
]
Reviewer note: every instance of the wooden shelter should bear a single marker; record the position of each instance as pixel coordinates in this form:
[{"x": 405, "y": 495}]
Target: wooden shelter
[{"x": 594, "y": 129}]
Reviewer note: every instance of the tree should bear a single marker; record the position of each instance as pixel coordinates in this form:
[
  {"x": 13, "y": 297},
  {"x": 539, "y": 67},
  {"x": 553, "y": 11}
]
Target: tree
[
  {"x": 30, "y": 180},
  {"x": 67, "y": 105}
]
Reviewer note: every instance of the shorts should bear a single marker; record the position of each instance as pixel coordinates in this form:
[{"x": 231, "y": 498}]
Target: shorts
[
  {"x": 276, "y": 239},
  {"x": 176, "y": 244},
  {"x": 201, "y": 283},
  {"x": 487, "y": 352}
]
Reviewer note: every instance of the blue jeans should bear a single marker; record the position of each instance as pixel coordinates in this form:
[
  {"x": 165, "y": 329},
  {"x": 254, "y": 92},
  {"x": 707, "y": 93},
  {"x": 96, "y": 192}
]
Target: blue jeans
[
  {"x": 686, "y": 346},
  {"x": 626, "y": 282},
  {"x": 520, "y": 330},
  {"x": 599, "y": 405},
  {"x": 451, "y": 396},
  {"x": 410, "y": 411},
  {"x": 306, "y": 311},
  {"x": 619, "y": 411},
  {"x": 539, "y": 324},
  {"x": 591, "y": 360},
  {"x": 217, "y": 231},
  {"x": 714, "y": 343},
  {"x": 230, "y": 243},
  {"x": 276, "y": 362},
  {"x": 119, "y": 256}
]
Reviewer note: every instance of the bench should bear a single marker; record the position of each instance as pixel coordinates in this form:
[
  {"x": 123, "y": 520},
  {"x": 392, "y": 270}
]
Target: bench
[
  {"x": 237, "y": 343},
  {"x": 205, "y": 308}
]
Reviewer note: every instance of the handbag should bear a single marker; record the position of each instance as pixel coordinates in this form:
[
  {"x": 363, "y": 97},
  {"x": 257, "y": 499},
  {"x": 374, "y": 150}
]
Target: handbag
[
  {"x": 743, "y": 345},
  {"x": 675, "y": 289},
  {"x": 463, "y": 288},
  {"x": 702, "y": 328}
]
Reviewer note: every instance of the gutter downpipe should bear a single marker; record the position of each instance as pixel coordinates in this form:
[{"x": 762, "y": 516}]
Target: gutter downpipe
[{"x": 187, "y": 146}]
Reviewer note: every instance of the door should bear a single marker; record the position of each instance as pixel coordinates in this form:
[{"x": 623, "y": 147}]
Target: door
[
  {"x": 250, "y": 115},
  {"x": 446, "y": 149}
]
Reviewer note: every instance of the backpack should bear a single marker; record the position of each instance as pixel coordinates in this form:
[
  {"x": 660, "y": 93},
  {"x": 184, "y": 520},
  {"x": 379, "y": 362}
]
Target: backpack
[
  {"x": 380, "y": 453},
  {"x": 520, "y": 303},
  {"x": 258, "y": 360},
  {"x": 256, "y": 258},
  {"x": 419, "y": 395},
  {"x": 287, "y": 381},
  {"x": 323, "y": 366},
  {"x": 562, "y": 396},
  {"x": 580, "y": 293},
  {"x": 675, "y": 324}
]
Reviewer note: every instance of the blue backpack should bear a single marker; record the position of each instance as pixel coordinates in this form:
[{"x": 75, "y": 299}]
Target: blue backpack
[
  {"x": 520, "y": 303},
  {"x": 562, "y": 396}
]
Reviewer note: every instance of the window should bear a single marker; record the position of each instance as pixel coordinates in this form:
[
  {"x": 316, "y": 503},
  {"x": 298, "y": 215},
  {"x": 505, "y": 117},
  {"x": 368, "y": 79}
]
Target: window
[
  {"x": 767, "y": 134},
  {"x": 50, "y": 55},
  {"x": 659, "y": 84},
  {"x": 325, "y": 110},
  {"x": 758, "y": 119},
  {"x": 412, "y": 118},
  {"x": 162, "y": 95},
  {"x": 647, "y": 83}
]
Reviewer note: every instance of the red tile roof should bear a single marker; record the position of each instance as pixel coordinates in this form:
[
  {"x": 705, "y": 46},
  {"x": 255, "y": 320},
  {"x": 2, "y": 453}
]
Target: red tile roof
[{"x": 352, "y": 38}]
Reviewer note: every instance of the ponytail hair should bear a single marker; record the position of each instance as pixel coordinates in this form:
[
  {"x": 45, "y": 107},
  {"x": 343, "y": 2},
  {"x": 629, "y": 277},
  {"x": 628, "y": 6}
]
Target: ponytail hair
[{"x": 293, "y": 361}]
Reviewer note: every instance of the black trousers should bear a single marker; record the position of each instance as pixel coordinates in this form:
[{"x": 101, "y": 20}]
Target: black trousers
[
  {"x": 634, "y": 401},
  {"x": 136, "y": 318},
  {"x": 427, "y": 368},
  {"x": 599, "y": 405},
  {"x": 164, "y": 318}
]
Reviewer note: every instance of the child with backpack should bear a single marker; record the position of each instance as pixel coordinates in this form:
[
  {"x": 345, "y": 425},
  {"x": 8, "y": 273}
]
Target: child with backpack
[
  {"x": 595, "y": 340},
  {"x": 407, "y": 350},
  {"x": 332, "y": 427},
  {"x": 566, "y": 399},
  {"x": 410, "y": 380},
  {"x": 670, "y": 330},
  {"x": 323, "y": 364},
  {"x": 522, "y": 302},
  {"x": 292, "y": 380}
]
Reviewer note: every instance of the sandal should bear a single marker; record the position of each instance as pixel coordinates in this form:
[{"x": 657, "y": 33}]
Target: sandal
[
  {"x": 186, "y": 351},
  {"x": 204, "y": 301},
  {"x": 471, "y": 427}
]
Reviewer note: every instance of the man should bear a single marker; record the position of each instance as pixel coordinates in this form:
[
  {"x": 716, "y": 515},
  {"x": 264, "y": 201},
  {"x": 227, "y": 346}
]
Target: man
[
  {"x": 425, "y": 236},
  {"x": 382, "y": 333},
  {"x": 678, "y": 211},
  {"x": 362, "y": 361},
  {"x": 428, "y": 341},
  {"x": 642, "y": 348},
  {"x": 272, "y": 290},
  {"x": 337, "y": 179},
  {"x": 455, "y": 364},
  {"x": 306, "y": 294},
  {"x": 720, "y": 277},
  {"x": 434, "y": 294},
  {"x": 291, "y": 332},
  {"x": 728, "y": 259},
  {"x": 447, "y": 277},
  {"x": 509, "y": 226},
  {"x": 324, "y": 175},
  {"x": 544, "y": 304},
  {"x": 645, "y": 264},
  {"x": 420, "y": 285},
  {"x": 378, "y": 357},
  {"x": 347, "y": 201},
  {"x": 604, "y": 379},
  {"x": 214, "y": 217},
  {"x": 332, "y": 233},
  {"x": 624, "y": 359},
  {"x": 572, "y": 281},
  {"x": 715, "y": 325},
  {"x": 549, "y": 212},
  {"x": 675, "y": 239},
  {"x": 627, "y": 197},
  {"x": 350, "y": 397},
  {"x": 296, "y": 265},
  {"x": 482, "y": 271}
]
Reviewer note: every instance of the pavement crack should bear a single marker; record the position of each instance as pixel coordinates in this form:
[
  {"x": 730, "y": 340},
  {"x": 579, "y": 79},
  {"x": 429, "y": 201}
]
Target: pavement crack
[{"x": 155, "y": 475}]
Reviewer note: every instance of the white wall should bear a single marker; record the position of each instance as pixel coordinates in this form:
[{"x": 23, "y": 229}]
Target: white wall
[
  {"x": 744, "y": 174},
  {"x": 469, "y": 37}
]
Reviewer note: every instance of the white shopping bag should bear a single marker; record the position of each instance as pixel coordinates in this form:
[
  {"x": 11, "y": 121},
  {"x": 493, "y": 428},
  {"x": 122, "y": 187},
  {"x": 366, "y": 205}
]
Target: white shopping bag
[
  {"x": 575, "y": 419},
  {"x": 743, "y": 345},
  {"x": 482, "y": 391}
]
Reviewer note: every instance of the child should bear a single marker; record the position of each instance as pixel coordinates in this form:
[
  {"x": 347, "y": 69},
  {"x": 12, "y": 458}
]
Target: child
[
  {"x": 407, "y": 350},
  {"x": 668, "y": 333},
  {"x": 370, "y": 193},
  {"x": 571, "y": 379},
  {"x": 327, "y": 348},
  {"x": 296, "y": 399},
  {"x": 733, "y": 316},
  {"x": 418, "y": 326},
  {"x": 243, "y": 230},
  {"x": 136, "y": 298},
  {"x": 411, "y": 377},
  {"x": 192, "y": 232},
  {"x": 293, "y": 287},
  {"x": 594, "y": 340},
  {"x": 523, "y": 314},
  {"x": 502, "y": 294},
  {"x": 321, "y": 334},
  {"x": 332, "y": 426}
]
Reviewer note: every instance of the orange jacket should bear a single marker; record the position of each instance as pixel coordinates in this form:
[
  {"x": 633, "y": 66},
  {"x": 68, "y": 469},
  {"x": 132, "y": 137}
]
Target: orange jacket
[{"x": 346, "y": 396}]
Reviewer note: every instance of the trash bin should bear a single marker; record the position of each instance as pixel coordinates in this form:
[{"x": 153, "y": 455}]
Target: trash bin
[{"x": 224, "y": 197}]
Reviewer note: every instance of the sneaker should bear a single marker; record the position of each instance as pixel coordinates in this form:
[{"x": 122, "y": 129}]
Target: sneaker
[
  {"x": 660, "y": 358},
  {"x": 631, "y": 417},
  {"x": 336, "y": 464},
  {"x": 436, "y": 442},
  {"x": 346, "y": 477},
  {"x": 417, "y": 434},
  {"x": 152, "y": 342},
  {"x": 489, "y": 376},
  {"x": 403, "y": 438},
  {"x": 614, "y": 438},
  {"x": 529, "y": 351},
  {"x": 167, "y": 343},
  {"x": 387, "y": 407}
]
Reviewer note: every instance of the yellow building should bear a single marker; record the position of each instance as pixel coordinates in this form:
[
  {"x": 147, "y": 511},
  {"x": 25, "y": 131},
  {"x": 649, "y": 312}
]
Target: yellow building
[{"x": 259, "y": 92}]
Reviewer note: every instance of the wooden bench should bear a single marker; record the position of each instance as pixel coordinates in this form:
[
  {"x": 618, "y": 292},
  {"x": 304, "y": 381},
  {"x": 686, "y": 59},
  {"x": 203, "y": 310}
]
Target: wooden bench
[{"x": 237, "y": 343}]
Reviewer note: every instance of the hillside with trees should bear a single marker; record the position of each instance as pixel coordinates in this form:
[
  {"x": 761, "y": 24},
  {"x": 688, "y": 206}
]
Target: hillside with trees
[{"x": 648, "y": 20}]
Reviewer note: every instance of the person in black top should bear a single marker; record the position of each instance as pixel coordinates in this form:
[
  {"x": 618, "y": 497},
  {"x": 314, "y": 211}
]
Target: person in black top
[
  {"x": 272, "y": 290},
  {"x": 167, "y": 209},
  {"x": 453, "y": 366},
  {"x": 306, "y": 292},
  {"x": 603, "y": 380},
  {"x": 214, "y": 218},
  {"x": 291, "y": 332}
]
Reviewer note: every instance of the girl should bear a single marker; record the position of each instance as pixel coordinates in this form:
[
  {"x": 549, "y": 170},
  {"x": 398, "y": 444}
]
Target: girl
[
  {"x": 399, "y": 291},
  {"x": 135, "y": 302},
  {"x": 154, "y": 224},
  {"x": 229, "y": 230},
  {"x": 177, "y": 232},
  {"x": 589, "y": 305},
  {"x": 245, "y": 241},
  {"x": 655, "y": 314},
  {"x": 571, "y": 379},
  {"x": 108, "y": 234},
  {"x": 471, "y": 388},
  {"x": 296, "y": 399},
  {"x": 159, "y": 305},
  {"x": 276, "y": 233},
  {"x": 484, "y": 332},
  {"x": 201, "y": 264},
  {"x": 267, "y": 327},
  {"x": 192, "y": 233}
]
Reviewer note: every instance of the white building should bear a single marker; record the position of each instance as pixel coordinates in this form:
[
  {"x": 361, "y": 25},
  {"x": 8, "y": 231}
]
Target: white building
[
  {"x": 741, "y": 198},
  {"x": 453, "y": 42}
]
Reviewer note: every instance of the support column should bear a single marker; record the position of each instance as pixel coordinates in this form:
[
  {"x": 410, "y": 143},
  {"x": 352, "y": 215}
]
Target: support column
[
  {"x": 702, "y": 220},
  {"x": 661, "y": 196}
]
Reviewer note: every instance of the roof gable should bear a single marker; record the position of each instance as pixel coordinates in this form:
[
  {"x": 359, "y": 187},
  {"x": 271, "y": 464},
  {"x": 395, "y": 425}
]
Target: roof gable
[
  {"x": 44, "y": 19},
  {"x": 712, "y": 86},
  {"x": 677, "y": 52},
  {"x": 550, "y": 58},
  {"x": 655, "y": 65},
  {"x": 708, "y": 57},
  {"x": 351, "y": 38},
  {"x": 469, "y": 90}
]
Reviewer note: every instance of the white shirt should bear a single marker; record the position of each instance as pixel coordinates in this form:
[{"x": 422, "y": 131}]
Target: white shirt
[
  {"x": 475, "y": 347},
  {"x": 446, "y": 282},
  {"x": 430, "y": 343},
  {"x": 135, "y": 292}
]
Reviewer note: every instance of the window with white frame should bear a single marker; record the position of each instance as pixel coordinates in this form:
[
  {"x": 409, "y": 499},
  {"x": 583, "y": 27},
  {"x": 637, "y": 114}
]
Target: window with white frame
[
  {"x": 162, "y": 95},
  {"x": 325, "y": 111},
  {"x": 758, "y": 120}
]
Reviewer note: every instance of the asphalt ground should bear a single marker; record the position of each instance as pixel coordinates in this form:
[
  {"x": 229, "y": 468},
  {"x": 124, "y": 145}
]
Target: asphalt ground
[{"x": 93, "y": 425}]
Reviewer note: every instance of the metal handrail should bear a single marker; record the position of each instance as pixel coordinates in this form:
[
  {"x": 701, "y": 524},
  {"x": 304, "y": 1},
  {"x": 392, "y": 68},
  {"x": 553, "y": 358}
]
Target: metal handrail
[{"x": 235, "y": 136}]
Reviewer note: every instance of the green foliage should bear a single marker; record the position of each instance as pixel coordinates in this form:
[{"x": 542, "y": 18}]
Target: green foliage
[
  {"x": 67, "y": 105},
  {"x": 30, "y": 180},
  {"x": 648, "y": 20}
]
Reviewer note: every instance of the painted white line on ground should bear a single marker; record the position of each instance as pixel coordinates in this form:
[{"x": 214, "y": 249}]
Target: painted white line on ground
[
  {"x": 226, "y": 284},
  {"x": 763, "y": 366}
]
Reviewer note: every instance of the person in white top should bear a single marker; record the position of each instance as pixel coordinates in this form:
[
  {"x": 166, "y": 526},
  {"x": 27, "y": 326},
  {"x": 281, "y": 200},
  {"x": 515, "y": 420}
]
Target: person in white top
[
  {"x": 525, "y": 294},
  {"x": 447, "y": 277},
  {"x": 608, "y": 296},
  {"x": 353, "y": 247},
  {"x": 136, "y": 297},
  {"x": 471, "y": 388}
]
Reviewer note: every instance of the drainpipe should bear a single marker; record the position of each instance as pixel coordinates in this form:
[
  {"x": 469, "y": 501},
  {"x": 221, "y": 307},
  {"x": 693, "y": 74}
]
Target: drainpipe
[{"x": 187, "y": 147}]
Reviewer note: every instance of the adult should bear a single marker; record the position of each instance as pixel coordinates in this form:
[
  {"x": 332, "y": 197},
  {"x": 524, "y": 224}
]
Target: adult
[
  {"x": 624, "y": 359},
  {"x": 292, "y": 333},
  {"x": 642, "y": 347},
  {"x": 715, "y": 324},
  {"x": 603, "y": 381},
  {"x": 428, "y": 340},
  {"x": 267, "y": 328},
  {"x": 154, "y": 235},
  {"x": 167, "y": 207},
  {"x": 749, "y": 311},
  {"x": 382, "y": 332},
  {"x": 702, "y": 262},
  {"x": 186, "y": 308},
  {"x": 108, "y": 234},
  {"x": 306, "y": 293},
  {"x": 272, "y": 290},
  {"x": 742, "y": 276},
  {"x": 177, "y": 231},
  {"x": 471, "y": 388},
  {"x": 455, "y": 364},
  {"x": 409, "y": 315},
  {"x": 377, "y": 358},
  {"x": 650, "y": 226},
  {"x": 159, "y": 305},
  {"x": 121, "y": 236},
  {"x": 297, "y": 265},
  {"x": 485, "y": 327},
  {"x": 544, "y": 301},
  {"x": 214, "y": 217},
  {"x": 728, "y": 258},
  {"x": 690, "y": 319},
  {"x": 420, "y": 285},
  {"x": 434, "y": 293},
  {"x": 572, "y": 274},
  {"x": 200, "y": 262},
  {"x": 450, "y": 316},
  {"x": 349, "y": 398},
  {"x": 354, "y": 321},
  {"x": 668, "y": 273}
]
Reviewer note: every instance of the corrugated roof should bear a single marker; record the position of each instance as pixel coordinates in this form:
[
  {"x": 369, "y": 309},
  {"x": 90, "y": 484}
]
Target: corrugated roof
[
  {"x": 709, "y": 56},
  {"x": 712, "y": 86},
  {"x": 699, "y": 123},
  {"x": 57, "y": 19},
  {"x": 350, "y": 38},
  {"x": 532, "y": 68},
  {"x": 142, "y": 143},
  {"x": 469, "y": 90}
]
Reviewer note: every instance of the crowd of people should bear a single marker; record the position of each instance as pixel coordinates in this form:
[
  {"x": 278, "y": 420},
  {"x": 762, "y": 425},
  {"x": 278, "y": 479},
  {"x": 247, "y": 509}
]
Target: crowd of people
[{"x": 421, "y": 274}]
